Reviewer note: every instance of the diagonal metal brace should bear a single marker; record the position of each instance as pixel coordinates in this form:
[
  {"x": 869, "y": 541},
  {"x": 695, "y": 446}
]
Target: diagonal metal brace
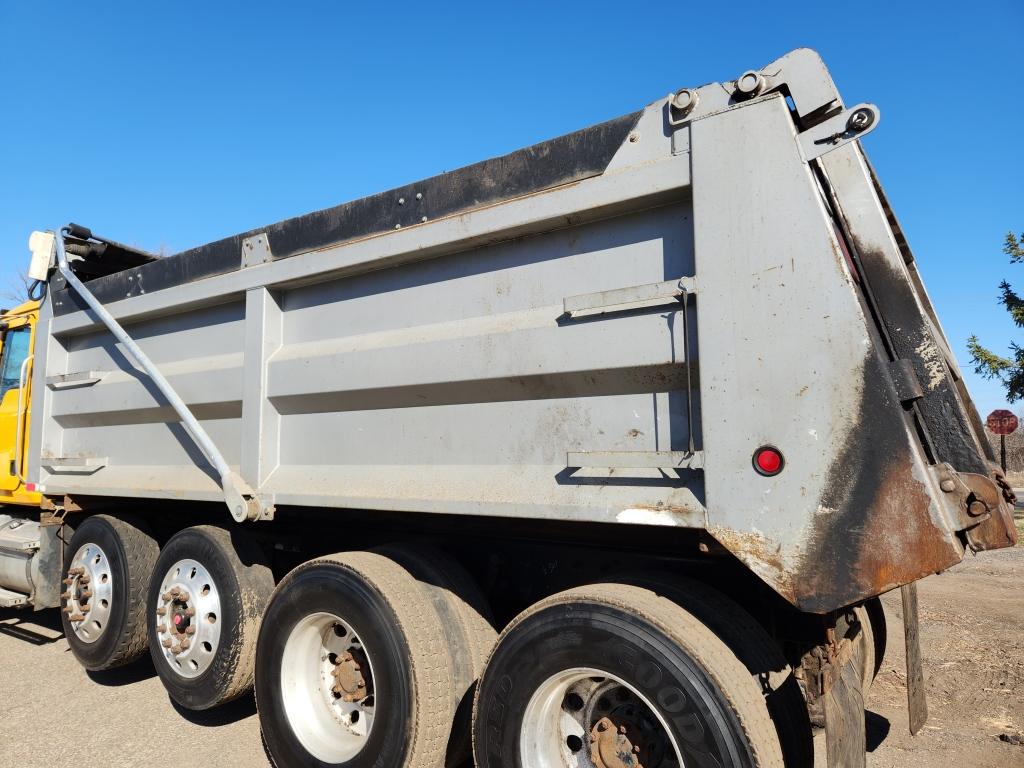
[{"x": 241, "y": 500}]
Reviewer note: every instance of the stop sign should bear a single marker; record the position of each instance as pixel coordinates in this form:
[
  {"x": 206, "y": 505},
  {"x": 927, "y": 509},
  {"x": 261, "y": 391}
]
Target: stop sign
[{"x": 1001, "y": 422}]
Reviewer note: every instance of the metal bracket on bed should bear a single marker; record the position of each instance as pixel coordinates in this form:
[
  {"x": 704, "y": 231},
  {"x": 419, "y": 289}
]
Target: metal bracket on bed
[
  {"x": 242, "y": 501},
  {"x": 635, "y": 296},
  {"x": 636, "y": 459}
]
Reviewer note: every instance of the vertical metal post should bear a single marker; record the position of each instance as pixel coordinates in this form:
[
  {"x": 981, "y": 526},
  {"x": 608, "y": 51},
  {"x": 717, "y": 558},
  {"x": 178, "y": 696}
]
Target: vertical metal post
[{"x": 1002, "y": 452}]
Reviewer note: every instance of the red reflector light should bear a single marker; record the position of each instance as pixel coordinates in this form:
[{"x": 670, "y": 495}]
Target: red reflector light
[
  {"x": 768, "y": 461},
  {"x": 30, "y": 487}
]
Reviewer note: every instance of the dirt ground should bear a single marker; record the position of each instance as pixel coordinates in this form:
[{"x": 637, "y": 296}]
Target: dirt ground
[
  {"x": 972, "y": 641},
  {"x": 53, "y": 714}
]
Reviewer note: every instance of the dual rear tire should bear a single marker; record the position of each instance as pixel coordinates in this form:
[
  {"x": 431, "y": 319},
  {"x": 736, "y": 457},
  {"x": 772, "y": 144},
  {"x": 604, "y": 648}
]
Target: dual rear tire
[
  {"x": 368, "y": 659},
  {"x": 615, "y": 669},
  {"x": 205, "y": 603}
]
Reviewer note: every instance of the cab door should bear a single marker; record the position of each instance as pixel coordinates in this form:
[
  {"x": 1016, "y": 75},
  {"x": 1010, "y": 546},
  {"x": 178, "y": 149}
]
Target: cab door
[{"x": 15, "y": 381}]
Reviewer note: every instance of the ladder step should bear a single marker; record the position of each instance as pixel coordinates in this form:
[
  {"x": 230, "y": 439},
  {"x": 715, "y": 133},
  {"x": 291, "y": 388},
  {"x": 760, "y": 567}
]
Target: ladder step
[
  {"x": 10, "y": 599},
  {"x": 78, "y": 379}
]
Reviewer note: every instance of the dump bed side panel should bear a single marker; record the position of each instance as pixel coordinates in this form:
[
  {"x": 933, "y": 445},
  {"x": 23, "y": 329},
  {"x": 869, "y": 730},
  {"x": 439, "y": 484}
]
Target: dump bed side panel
[{"x": 455, "y": 384}]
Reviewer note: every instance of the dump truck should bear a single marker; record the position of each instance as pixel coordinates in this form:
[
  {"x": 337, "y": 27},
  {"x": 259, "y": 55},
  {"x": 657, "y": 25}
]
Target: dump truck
[{"x": 596, "y": 454}]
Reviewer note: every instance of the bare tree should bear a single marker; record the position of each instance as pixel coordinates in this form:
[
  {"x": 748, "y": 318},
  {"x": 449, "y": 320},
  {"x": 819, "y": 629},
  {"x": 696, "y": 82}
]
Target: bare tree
[{"x": 16, "y": 290}]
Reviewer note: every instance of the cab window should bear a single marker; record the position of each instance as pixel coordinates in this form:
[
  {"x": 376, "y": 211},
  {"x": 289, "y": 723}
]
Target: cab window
[{"x": 14, "y": 354}]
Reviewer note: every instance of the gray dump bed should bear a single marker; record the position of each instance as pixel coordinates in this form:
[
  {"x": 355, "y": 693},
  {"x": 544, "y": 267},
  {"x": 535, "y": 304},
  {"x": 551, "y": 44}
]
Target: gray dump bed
[{"x": 602, "y": 328}]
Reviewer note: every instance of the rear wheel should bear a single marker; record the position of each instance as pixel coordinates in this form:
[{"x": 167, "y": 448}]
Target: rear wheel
[
  {"x": 352, "y": 668},
  {"x": 109, "y": 562},
  {"x": 611, "y": 675},
  {"x": 206, "y": 601}
]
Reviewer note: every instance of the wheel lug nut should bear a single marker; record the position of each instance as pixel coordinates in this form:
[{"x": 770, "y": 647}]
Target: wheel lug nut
[
  {"x": 167, "y": 597},
  {"x": 161, "y": 628},
  {"x": 185, "y": 643},
  {"x": 190, "y": 630},
  {"x": 167, "y": 643},
  {"x": 161, "y": 611},
  {"x": 86, "y": 608},
  {"x": 190, "y": 612}
]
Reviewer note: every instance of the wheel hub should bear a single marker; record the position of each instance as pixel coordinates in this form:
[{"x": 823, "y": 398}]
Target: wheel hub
[
  {"x": 327, "y": 687},
  {"x": 88, "y": 592},
  {"x": 585, "y": 717},
  {"x": 348, "y": 677},
  {"x": 188, "y": 618},
  {"x": 626, "y": 738}
]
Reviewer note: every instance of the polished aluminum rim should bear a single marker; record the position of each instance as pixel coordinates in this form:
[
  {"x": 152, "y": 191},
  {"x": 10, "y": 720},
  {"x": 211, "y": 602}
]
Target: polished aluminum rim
[
  {"x": 89, "y": 593},
  {"x": 188, "y": 618},
  {"x": 327, "y": 686},
  {"x": 583, "y": 717}
]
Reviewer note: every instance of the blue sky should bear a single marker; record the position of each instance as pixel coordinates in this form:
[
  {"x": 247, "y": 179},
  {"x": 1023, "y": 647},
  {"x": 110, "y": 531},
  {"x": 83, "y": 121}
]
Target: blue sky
[{"x": 169, "y": 124}]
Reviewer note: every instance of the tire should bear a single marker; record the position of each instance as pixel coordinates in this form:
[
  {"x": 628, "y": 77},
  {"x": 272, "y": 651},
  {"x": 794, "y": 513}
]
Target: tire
[
  {"x": 326, "y": 616},
  {"x": 879, "y": 632},
  {"x": 662, "y": 680},
  {"x": 758, "y": 651},
  {"x": 207, "y": 657},
  {"x": 872, "y": 641},
  {"x": 116, "y": 557},
  {"x": 469, "y": 626}
]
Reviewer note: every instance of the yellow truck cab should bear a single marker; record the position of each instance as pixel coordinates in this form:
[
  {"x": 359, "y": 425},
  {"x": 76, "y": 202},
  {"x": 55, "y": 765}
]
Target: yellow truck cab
[{"x": 17, "y": 340}]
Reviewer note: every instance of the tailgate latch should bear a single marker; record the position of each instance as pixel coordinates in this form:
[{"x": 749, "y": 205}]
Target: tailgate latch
[{"x": 984, "y": 504}]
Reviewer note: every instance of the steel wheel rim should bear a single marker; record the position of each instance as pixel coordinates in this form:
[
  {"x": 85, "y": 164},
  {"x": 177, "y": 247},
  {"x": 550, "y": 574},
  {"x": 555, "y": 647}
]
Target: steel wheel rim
[
  {"x": 562, "y": 724},
  {"x": 188, "y": 618},
  {"x": 329, "y": 714},
  {"x": 89, "y": 594}
]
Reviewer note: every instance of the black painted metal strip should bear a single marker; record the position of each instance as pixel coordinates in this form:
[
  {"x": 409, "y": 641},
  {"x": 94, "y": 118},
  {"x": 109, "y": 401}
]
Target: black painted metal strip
[{"x": 573, "y": 157}]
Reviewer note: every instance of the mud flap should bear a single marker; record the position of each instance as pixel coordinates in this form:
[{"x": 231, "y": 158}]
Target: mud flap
[
  {"x": 917, "y": 703},
  {"x": 844, "y": 719}
]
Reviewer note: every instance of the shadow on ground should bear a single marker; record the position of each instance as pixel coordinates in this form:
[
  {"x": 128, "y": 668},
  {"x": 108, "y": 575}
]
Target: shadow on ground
[
  {"x": 232, "y": 712},
  {"x": 876, "y": 729},
  {"x": 33, "y": 627},
  {"x": 136, "y": 672}
]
